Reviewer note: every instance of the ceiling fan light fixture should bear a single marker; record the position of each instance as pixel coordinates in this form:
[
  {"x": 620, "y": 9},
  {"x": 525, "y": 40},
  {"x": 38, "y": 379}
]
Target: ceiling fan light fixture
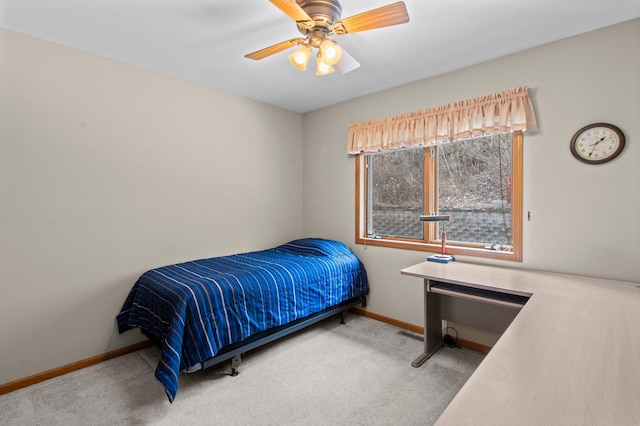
[
  {"x": 317, "y": 20},
  {"x": 323, "y": 67},
  {"x": 300, "y": 57},
  {"x": 331, "y": 51}
]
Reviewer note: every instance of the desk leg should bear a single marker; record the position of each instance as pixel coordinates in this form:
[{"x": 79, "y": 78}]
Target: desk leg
[{"x": 432, "y": 326}]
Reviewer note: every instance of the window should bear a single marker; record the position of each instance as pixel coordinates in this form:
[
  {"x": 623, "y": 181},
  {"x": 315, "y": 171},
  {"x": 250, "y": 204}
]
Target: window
[{"x": 477, "y": 181}]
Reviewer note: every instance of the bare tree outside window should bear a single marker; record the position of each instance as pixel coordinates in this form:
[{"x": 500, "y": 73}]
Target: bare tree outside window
[
  {"x": 472, "y": 184},
  {"x": 396, "y": 182},
  {"x": 474, "y": 187}
]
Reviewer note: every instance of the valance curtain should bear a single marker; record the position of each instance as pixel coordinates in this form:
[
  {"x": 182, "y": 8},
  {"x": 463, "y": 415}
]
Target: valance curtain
[{"x": 502, "y": 112}]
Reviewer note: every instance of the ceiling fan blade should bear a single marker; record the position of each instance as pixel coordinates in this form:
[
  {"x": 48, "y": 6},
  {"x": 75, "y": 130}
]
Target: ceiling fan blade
[
  {"x": 385, "y": 16},
  {"x": 279, "y": 47},
  {"x": 295, "y": 12},
  {"x": 346, "y": 63}
]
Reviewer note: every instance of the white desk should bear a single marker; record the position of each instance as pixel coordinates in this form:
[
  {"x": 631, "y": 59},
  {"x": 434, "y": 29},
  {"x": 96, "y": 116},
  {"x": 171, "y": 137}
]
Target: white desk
[{"x": 570, "y": 357}]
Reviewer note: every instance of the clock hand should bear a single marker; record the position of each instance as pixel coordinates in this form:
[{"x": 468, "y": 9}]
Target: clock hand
[{"x": 596, "y": 143}]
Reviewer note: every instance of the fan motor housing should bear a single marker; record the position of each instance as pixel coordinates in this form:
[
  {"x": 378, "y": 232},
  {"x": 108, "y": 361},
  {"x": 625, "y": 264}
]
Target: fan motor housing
[{"x": 323, "y": 12}]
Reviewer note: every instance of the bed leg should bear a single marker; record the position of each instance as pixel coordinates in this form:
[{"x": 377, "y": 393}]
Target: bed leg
[
  {"x": 342, "y": 317},
  {"x": 235, "y": 364}
]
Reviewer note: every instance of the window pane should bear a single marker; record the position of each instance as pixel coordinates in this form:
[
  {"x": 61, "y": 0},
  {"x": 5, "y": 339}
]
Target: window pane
[
  {"x": 396, "y": 191},
  {"x": 474, "y": 187}
]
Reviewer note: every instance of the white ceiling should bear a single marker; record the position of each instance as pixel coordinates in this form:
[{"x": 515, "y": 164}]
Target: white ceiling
[{"x": 204, "y": 41}]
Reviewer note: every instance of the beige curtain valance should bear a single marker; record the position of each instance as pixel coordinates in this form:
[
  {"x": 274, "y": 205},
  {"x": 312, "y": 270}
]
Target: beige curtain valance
[{"x": 507, "y": 111}]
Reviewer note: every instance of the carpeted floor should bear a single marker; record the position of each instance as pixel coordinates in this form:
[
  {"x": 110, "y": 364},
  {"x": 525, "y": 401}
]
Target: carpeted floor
[{"x": 358, "y": 373}]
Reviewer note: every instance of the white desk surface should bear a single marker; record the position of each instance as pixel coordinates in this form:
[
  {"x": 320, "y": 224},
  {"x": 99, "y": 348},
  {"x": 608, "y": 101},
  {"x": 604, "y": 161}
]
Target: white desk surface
[{"x": 570, "y": 357}]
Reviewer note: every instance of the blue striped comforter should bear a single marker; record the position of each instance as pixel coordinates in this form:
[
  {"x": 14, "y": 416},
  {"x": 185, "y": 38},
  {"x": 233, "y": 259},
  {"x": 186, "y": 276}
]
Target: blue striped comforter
[{"x": 196, "y": 308}]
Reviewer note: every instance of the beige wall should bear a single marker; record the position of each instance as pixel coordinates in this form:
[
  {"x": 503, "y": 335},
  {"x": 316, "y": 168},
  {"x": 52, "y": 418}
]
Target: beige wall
[
  {"x": 583, "y": 218},
  {"x": 107, "y": 170}
]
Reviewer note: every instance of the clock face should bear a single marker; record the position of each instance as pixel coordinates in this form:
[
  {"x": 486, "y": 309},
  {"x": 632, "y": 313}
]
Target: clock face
[{"x": 597, "y": 143}]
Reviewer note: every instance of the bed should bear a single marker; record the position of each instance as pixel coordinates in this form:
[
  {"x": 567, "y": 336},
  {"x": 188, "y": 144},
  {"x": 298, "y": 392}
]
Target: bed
[{"x": 207, "y": 311}]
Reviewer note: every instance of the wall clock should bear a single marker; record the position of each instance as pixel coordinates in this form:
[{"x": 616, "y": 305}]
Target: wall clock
[{"x": 597, "y": 143}]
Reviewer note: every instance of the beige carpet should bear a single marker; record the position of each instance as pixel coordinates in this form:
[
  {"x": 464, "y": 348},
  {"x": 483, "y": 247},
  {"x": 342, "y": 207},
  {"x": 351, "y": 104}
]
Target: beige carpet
[{"x": 358, "y": 373}]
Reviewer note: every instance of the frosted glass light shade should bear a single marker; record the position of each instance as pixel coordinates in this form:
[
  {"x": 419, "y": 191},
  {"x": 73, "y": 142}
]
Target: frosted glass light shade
[
  {"x": 300, "y": 57},
  {"x": 323, "y": 67},
  {"x": 331, "y": 52}
]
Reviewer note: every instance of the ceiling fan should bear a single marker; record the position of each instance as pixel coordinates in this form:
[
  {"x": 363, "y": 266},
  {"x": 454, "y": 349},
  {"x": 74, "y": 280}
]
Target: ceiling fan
[{"x": 319, "y": 19}]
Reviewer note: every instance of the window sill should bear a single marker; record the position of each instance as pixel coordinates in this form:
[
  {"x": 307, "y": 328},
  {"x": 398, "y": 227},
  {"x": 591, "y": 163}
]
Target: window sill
[{"x": 514, "y": 256}]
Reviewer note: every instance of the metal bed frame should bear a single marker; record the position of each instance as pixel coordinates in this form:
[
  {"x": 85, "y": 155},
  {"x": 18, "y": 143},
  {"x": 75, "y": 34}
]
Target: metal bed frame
[{"x": 235, "y": 351}]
